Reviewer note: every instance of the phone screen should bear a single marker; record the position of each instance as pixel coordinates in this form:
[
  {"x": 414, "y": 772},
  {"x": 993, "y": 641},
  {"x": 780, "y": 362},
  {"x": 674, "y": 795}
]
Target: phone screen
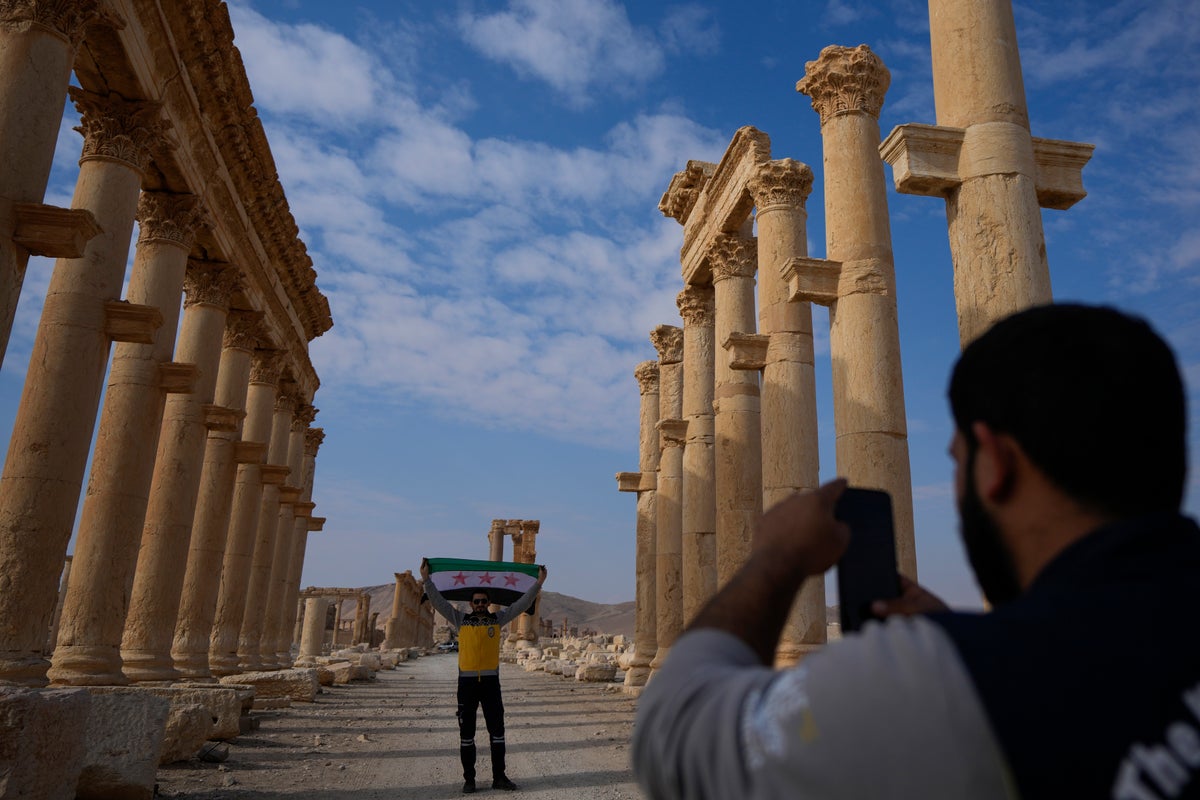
[{"x": 867, "y": 570}]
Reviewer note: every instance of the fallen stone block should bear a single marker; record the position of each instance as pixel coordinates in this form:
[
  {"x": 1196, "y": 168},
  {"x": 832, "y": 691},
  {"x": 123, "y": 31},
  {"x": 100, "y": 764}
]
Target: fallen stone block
[
  {"x": 535, "y": 666},
  {"x": 569, "y": 669},
  {"x": 223, "y": 703},
  {"x": 324, "y": 676},
  {"x": 370, "y": 661},
  {"x": 189, "y": 726},
  {"x": 388, "y": 660},
  {"x": 300, "y": 685},
  {"x": 46, "y": 758},
  {"x": 554, "y": 667},
  {"x": 123, "y": 739},
  {"x": 361, "y": 673},
  {"x": 595, "y": 672},
  {"x": 341, "y": 672}
]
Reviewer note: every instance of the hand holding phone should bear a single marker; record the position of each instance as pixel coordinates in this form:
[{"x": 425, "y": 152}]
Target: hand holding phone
[{"x": 867, "y": 570}]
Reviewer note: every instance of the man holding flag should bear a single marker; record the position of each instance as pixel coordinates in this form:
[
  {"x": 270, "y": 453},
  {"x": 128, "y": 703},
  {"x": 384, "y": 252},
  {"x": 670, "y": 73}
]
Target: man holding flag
[{"x": 481, "y": 583}]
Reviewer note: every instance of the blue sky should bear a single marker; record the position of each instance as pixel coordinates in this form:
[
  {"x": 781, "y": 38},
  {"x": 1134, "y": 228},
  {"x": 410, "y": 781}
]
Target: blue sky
[{"x": 477, "y": 184}]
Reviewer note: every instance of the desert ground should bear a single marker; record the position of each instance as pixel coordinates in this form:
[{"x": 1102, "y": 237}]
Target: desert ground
[{"x": 397, "y": 738}]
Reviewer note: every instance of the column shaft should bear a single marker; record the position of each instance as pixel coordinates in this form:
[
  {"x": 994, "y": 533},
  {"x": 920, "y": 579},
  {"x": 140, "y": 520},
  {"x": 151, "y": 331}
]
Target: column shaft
[
  {"x": 316, "y": 609},
  {"x": 47, "y": 454},
  {"x": 699, "y": 546},
  {"x": 668, "y": 499},
  {"x": 215, "y": 494},
  {"x": 736, "y": 425},
  {"x": 645, "y": 552}
]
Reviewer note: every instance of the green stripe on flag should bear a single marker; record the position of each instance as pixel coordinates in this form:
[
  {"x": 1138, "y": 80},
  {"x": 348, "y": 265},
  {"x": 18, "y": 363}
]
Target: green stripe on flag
[{"x": 468, "y": 565}]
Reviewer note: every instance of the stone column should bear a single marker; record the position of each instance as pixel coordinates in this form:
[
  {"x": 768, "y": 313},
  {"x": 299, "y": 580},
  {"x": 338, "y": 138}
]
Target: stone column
[
  {"x": 290, "y": 495},
  {"x": 110, "y": 527},
  {"x": 158, "y": 581},
  {"x": 303, "y": 524},
  {"x": 223, "y": 451},
  {"x": 391, "y": 639},
  {"x": 736, "y": 425},
  {"x": 496, "y": 541},
  {"x": 527, "y": 635},
  {"x": 52, "y": 639},
  {"x": 847, "y": 86},
  {"x": 668, "y": 496},
  {"x": 313, "y": 639},
  {"x": 38, "y": 43},
  {"x": 981, "y": 158},
  {"x": 643, "y": 482},
  {"x": 699, "y": 548},
  {"x": 789, "y": 405},
  {"x": 52, "y": 433},
  {"x": 243, "y": 523},
  {"x": 274, "y": 473}
]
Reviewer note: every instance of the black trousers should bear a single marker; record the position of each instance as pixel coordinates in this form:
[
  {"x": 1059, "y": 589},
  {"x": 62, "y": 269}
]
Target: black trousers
[{"x": 473, "y": 693}]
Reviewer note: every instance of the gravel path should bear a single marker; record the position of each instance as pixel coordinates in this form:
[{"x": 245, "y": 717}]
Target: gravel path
[{"x": 396, "y": 738}]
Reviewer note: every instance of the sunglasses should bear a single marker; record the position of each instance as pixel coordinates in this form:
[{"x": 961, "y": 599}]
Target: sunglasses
[{"x": 476, "y": 602}]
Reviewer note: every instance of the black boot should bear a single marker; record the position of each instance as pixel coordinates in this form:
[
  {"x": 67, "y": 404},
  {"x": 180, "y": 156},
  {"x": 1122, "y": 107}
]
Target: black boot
[{"x": 466, "y": 754}]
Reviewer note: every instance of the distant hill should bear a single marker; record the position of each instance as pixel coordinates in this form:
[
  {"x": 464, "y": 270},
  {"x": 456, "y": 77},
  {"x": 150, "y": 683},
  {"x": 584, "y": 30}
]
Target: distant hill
[{"x": 606, "y": 618}]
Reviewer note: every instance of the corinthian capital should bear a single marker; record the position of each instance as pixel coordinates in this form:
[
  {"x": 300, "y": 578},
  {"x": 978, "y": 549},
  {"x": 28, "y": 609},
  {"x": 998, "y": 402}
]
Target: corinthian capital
[
  {"x": 784, "y": 182},
  {"x": 647, "y": 377},
  {"x": 304, "y": 416},
  {"x": 210, "y": 283},
  {"x": 68, "y": 19},
  {"x": 732, "y": 257},
  {"x": 266, "y": 366},
  {"x": 845, "y": 79},
  {"x": 167, "y": 217},
  {"x": 313, "y": 438},
  {"x": 118, "y": 129},
  {"x": 668, "y": 341},
  {"x": 695, "y": 304},
  {"x": 242, "y": 330}
]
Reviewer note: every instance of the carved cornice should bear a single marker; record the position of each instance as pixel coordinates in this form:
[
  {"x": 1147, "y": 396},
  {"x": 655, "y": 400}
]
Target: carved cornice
[
  {"x": 266, "y": 366},
  {"x": 168, "y": 217},
  {"x": 696, "y": 305},
  {"x": 68, "y": 19},
  {"x": 209, "y": 283},
  {"x": 668, "y": 341},
  {"x": 303, "y": 417},
  {"x": 844, "y": 80},
  {"x": 685, "y": 188},
  {"x": 243, "y": 330},
  {"x": 118, "y": 129},
  {"x": 733, "y": 257},
  {"x": 313, "y": 438},
  {"x": 785, "y": 182},
  {"x": 647, "y": 377}
]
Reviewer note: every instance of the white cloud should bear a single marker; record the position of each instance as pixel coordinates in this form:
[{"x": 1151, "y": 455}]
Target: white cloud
[
  {"x": 690, "y": 28},
  {"x": 573, "y": 45}
]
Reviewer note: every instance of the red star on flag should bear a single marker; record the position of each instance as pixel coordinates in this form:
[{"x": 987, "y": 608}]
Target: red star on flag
[
  {"x": 460, "y": 578},
  {"x": 485, "y": 577},
  {"x": 510, "y": 580}
]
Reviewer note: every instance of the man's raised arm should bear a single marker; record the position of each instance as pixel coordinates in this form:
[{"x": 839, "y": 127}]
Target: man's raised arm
[
  {"x": 524, "y": 601},
  {"x": 439, "y": 603}
]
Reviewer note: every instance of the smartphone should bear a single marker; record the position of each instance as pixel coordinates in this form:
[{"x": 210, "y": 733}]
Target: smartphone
[{"x": 867, "y": 571}]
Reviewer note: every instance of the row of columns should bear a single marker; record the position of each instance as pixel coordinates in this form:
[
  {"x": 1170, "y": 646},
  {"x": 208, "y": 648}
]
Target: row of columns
[
  {"x": 190, "y": 432},
  {"x": 994, "y": 177},
  {"x": 411, "y": 623}
]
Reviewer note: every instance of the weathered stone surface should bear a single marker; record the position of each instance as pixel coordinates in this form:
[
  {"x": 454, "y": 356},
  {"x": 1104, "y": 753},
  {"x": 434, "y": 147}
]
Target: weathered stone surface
[
  {"x": 268, "y": 703},
  {"x": 298, "y": 684},
  {"x": 370, "y": 661},
  {"x": 123, "y": 740},
  {"x": 325, "y": 676},
  {"x": 223, "y": 704},
  {"x": 341, "y": 672},
  {"x": 388, "y": 660},
  {"x": 360, "y": 673},
  {"x": 189, "y": 726},
  {"x": 596, "y": 672},
  {"x": 44, "y": 760}
]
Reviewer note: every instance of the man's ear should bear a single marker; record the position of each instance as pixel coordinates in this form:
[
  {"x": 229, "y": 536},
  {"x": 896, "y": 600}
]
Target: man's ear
[{"x": 995, "y": 462}]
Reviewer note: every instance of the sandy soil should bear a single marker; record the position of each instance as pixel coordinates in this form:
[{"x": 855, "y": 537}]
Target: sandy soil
[{"x": 396, "y": 738}]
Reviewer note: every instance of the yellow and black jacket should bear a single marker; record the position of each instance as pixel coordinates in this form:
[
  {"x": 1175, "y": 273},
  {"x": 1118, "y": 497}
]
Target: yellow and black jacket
[{"x": 479, "y": 633}]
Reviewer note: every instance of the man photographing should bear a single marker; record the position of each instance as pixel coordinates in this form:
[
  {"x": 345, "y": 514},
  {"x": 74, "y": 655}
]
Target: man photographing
[
  {"x": 479, "y": 671},
  {"x": 1084, "y": 679}
]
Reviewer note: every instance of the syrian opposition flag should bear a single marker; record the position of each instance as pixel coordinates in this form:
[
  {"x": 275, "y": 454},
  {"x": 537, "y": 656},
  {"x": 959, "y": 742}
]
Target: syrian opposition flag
[{"x": 505, "y": 581}]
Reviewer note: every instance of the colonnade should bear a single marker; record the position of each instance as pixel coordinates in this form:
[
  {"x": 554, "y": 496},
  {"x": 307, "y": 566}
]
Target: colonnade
[
  {"x": 523, "y": 631},
  {"x": 747, "y": 415},
  {"x": 411, "y": 623},
  {"x": 192, "y": 532}
]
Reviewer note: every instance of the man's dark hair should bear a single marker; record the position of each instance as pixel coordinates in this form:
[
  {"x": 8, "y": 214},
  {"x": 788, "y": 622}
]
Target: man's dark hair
[
  {"x": 1092, "y": 395},
  {"x": 483, "y": 592}
]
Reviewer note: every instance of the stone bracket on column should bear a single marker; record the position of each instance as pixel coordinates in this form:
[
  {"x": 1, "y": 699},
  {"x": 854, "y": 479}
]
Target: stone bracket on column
[
  {"x": 304, "y": 509},
  {"x": 176, "y": 377},
  {"x": 929, "y": 160},
  {"x": 316, "y": 524},
  {"x": 129, "y": 322},
  {"x": 747, "y": 351},
  {"x": 813, "y": 280},
  {"x": 289, "y": 494},
  {"x": 637, "y": 481},
  {"x": 674, "y": 431},
  {"x": 274, "y": 474},
  {"x": 221, "y": 418},
  {"x": 52, "y": 231},
  {"x": 250, "y": 452}
]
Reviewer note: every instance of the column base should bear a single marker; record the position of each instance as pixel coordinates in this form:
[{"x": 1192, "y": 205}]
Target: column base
[
  {"x": 86, "y": 665},
  {"x": 141, "y": 666},
  {"x": 660, "y": 655},
  {"x": 23, "y": 669},
  {"x": 223, "y": 664},
  {"x": 191, "y": 666},
  {"x": 638, "y": 673}
]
